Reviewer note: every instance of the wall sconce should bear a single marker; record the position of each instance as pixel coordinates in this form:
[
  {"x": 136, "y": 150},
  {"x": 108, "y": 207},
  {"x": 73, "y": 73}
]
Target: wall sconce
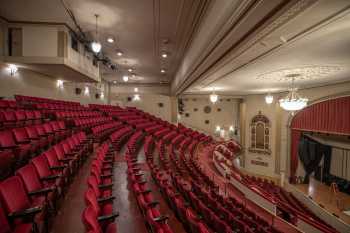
[
  {"x": 60, "y": 83},
  {"x": 12, "y": 68},
  {"x": 136, "y": 97},
  {"x": 102, "y": 95},
  {"x": 86, "y": 91}
]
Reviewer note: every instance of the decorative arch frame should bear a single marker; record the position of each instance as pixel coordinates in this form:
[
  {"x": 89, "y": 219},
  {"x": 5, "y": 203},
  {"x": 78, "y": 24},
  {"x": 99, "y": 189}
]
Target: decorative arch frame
[{"x": 260, "y": 130}]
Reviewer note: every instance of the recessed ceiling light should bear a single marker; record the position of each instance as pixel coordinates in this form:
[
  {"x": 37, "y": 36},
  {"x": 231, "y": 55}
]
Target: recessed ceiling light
[
  {"x": 119, "y": 53},
  {"x": 164, "y": 55},
  {"x": 115, "y": 82},
  {"x": 133, "y": 75},
  {"x": 125, "y": 78},
  {"x": 162, "y": 71},
  {"x": 110, "y": 40},
  {"x": 130, "y": 70}
]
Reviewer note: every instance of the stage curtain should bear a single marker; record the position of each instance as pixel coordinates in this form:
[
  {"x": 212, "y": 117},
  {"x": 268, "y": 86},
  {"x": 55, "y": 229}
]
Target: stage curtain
[
  {"x": 331, "y": 116},
  {"x": 311, "y": 153},
  {"x": 294, "y": 154}
]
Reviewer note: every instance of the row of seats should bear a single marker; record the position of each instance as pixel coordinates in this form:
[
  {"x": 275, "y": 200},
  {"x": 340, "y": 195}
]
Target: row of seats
[
  {"x": 20, "y": 117},
  {"x": 87, "y": 123},
  {"x": 99, "y": 216},
  {"x": 182, "y": 209},
  {"x": 29, "y": 199},
  {"x": 119, "y": 137},
  {"x": 102, "y": 132},
  {"x": 19, "y": 145},
  {"x": 67, "y": 115},
  {"x": 8, "y": 104},
  {"x": 155, "y": 221}
]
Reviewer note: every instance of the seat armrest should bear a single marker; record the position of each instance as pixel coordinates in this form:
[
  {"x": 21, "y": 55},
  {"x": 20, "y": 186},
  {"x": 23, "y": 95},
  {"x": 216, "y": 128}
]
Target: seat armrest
[
  {"x": 162, "y": 218},
  {"x": 53, "y": 177},
  {"x": 107, "y": 175},
  {"x": 104, "y": 199},
  {"x": 153, "y": 204},
  {"x": 108, "y": 217},
  {"x": 105, "y": 186},
  {"x": 41, "y": 191},
  {"x": 65, "y": 159},
  {"x": 9, "y": 147},
  {"x": 58, "y": 167},
  {"x": 26, "y": 212},
  {"x": 145, "y": 191}
]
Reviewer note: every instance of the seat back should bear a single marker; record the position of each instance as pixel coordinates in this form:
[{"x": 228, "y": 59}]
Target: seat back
[
  {"x": 5, "y": 226},
  {"x": 20, "y": 134},
  {"x": 31, "y": 132},
  {"x": 6, "y": 139},
  {"x": 30, "y": 178},
  {"x": 7, "y": 160},
  {"x": 13, "y": 195},
  {"x": 91, "y": 199},
  {"x": 52, "y": 158},
  {"x": 47, "y": 128},
  {"x": 41, "y": 165},
  {"x": 89, "y": 218},
  {"x": 40, "y": 130},
  {"x": 58, "y": 148}
]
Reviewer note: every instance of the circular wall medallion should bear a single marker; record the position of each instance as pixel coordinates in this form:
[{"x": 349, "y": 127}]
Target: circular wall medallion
[{"x": 207, "y": 109}]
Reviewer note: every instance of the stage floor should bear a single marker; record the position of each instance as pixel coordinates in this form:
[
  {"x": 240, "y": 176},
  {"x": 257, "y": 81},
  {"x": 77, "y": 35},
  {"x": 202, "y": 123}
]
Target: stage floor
[{"x": 323, "y": 195}]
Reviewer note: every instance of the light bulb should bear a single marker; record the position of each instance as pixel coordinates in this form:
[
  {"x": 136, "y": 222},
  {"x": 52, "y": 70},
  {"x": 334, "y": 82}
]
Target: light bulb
[
  {"x": 136, "y": 97},
  {"x": 110, "y": 40},
  {"x": 125, "y": 78},
  {"x": 269, "y": 99},
  {"x": 12, "y": 68},
  {"x": 130, "y": 70},
  {"x": 162, "y": 71},
  {"x": 86, "y": 91},
  {"x": 214, "y": 98},
  {"x": 96, "y": 46},
  {"x": 60, "y": 83},
  {"x": 102, "y": 95},
  {"x": 164, "y": 55},
  {"x": 119, "y": 53},
  {"x": 217, "y": 128}
]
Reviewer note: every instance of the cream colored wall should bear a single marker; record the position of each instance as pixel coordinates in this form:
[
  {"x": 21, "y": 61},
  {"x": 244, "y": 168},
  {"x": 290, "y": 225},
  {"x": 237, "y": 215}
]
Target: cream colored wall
[
  {"x": 228, "y": 115},
  {"x": 278, "y": 161},
  {"x": 46, "y": 48},
  {"x": 147, "y": 103},
  {"x": 26, "y": 82}
]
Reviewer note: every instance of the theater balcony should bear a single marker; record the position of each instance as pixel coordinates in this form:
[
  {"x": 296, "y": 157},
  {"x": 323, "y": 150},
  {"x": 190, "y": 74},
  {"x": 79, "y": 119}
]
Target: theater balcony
[{"x": 49, "y": 49}]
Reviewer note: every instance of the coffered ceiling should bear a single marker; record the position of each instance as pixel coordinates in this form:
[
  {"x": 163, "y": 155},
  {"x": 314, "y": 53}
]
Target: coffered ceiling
[{"x": 142, "y": 29}]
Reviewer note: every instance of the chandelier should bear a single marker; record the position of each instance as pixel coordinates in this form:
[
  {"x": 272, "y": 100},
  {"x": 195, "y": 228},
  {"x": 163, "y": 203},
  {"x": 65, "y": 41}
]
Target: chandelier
[{"x": 293, "y": 101}]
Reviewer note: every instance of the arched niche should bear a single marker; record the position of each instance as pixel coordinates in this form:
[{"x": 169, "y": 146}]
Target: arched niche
[{"x": 260, "y": 134}]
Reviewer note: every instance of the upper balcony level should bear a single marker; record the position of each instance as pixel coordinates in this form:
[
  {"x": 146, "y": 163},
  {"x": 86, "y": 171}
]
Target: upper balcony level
[{"x": 49, "y": 49}]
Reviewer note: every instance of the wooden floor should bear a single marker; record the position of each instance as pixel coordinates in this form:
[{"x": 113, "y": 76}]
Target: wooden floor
[{"x": 322, "y": 194}]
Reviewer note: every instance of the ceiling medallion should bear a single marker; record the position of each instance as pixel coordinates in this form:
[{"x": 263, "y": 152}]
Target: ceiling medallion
[{"x": 300, "y": 73}]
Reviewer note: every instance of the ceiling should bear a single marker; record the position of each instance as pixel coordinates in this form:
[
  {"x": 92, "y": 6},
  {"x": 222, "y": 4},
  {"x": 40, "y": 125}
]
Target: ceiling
[
  {"x": 237, "y": 47},
  {"x": 142, "y": 30},
  {"x": 305, "y": 39}
]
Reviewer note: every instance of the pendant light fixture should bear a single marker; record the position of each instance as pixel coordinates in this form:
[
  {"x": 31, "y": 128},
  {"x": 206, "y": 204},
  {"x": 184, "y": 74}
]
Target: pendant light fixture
[
  {"x": 213, "y": 97},
  {"x": 96, "y": 45},
  {"x": 293, "y": 101}
]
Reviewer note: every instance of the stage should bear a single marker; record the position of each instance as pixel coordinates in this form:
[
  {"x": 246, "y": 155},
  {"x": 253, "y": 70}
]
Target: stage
[{"x": 323, "y": 195}]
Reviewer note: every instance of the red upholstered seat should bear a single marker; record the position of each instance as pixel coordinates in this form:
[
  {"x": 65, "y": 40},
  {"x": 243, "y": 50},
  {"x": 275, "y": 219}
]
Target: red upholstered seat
[
  {"x": 7, "y": 163},
  {"x": 9, "y": 119},
  {"x": 18, "y": 206},
  {"x": 21, "y": 152},
  {"x": 15, "y": 228},
  {"x": 21, "y": 137},
  {"x": 48, "y": 176},
  {"x": 32, "y": 183},
  {"x": 33, "y": 135},
  {"x": 91, "y": 223}
]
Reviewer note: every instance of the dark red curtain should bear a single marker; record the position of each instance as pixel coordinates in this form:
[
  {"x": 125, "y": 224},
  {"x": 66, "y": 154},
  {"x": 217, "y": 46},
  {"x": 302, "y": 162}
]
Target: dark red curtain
[
  {"x": 294, "y": 154},
  {"x": 330, "y": 116}
]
